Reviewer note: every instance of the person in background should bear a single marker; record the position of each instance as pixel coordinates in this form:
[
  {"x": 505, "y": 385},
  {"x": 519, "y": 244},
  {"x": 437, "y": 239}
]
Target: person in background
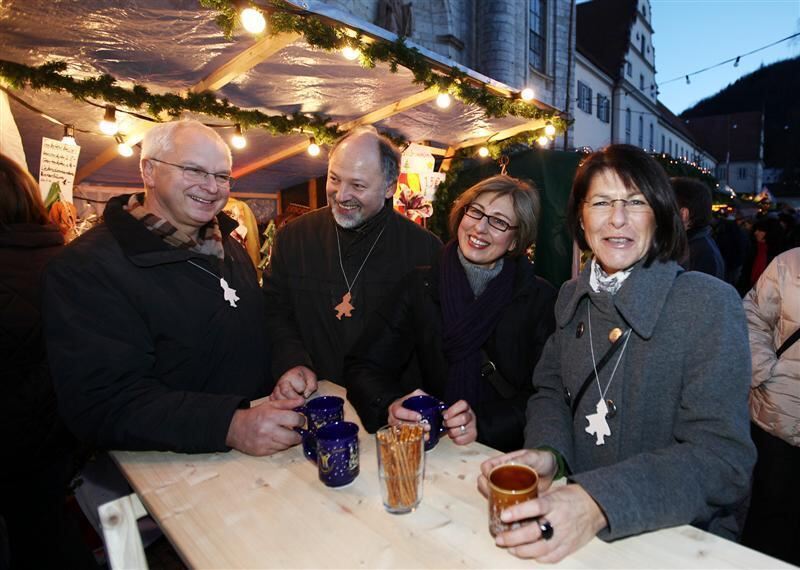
[
  {"x": 477, "y": 322},
  {"x": 637, "y": 400},
  {"x": 333, "y": 267},
  {"x": 154, "y": 318},
  {"x": 766, "y": 242},
  {"x": 40, "y": 454},
  {"x": 734, "y": 246},
  {"x": 694, "y": 203},
  {"x": 773, "y": 318}
]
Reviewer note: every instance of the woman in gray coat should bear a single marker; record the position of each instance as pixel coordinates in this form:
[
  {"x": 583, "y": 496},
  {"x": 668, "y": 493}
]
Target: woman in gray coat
[{"x": 641, "y": 393}]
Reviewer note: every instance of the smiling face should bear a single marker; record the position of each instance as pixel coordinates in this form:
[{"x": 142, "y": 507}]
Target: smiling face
[
  {"x": 618, "y": 238},
  {"x": 356, "y": 187},
  {"x": 187, "y": 206},
  {"x": 479, "y": 242}
]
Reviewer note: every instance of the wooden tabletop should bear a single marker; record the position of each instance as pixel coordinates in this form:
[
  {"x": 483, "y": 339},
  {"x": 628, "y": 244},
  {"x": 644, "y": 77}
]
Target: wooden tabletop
[{"x": 230, "y": 510}]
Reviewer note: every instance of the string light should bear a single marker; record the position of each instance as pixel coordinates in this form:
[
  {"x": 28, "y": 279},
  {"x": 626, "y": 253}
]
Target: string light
[
  {"x": 549, "y": 129},
  {"x": 69, "y": 135},
  {"x": 108, "y": 126},
  {"x": 237, "y": 140},
  {"x": 253, "y": 20},
  {"x": 542, "y": 140},
  {"x": 123, "y": 148},
  {"x": 527, "y": 94},
  {"x": 443, "y": 100},
  {"x": 736, "y": 63},
  {"x": 688, "y": 82},
  {"x": 350, "y": 53},
  {"x": 313, "y": 148},
  {"x": 483, "y": 152}
]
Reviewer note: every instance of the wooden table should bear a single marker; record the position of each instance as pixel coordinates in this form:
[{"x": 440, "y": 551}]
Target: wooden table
[{"x": 229, "y": 510}]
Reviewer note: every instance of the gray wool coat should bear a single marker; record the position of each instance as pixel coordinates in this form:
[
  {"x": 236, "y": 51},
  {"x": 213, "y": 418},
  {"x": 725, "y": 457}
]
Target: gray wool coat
[{"x": 679, "y": 450}]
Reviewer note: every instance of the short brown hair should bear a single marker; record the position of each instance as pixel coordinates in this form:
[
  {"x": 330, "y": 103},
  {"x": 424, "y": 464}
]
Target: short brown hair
[
  {"x": 639, "y": 172},
  {"x": 20, "y": 198},
  {"x": 525, "y": 200}
]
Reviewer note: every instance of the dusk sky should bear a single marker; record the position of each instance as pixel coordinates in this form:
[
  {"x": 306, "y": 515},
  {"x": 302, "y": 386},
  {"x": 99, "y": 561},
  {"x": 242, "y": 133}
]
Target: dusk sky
[{"x": 693, "y": 34}]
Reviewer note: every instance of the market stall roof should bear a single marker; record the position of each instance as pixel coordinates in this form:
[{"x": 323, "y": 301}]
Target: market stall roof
[{"x": 175, "y": 46}]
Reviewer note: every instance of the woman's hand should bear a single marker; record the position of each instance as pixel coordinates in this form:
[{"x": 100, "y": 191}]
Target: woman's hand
[
  {"x": 461, "y": 423},
  {"x": 572, "y": 514},
  {"x": 544, "y": 462},
  {"x": 400, "y": 415}
]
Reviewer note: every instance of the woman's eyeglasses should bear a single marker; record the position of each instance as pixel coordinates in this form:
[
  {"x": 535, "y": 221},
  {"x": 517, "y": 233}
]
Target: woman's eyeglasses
[
  {"x": 472, "y": 211},
  {"x": 634, "y": 205}
]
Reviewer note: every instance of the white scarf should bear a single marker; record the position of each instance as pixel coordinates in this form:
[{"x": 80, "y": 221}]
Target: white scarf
[{"x": 599, "y": 280}]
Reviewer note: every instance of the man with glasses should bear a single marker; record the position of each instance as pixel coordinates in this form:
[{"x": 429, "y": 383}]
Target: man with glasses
[
  {"x": 332, "y": 268},
  {"x": 154, "y": 318}
]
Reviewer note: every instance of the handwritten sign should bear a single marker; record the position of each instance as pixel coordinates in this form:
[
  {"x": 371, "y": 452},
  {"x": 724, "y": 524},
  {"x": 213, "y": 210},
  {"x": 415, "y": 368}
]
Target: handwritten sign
[{"x": 58, "y": 164}]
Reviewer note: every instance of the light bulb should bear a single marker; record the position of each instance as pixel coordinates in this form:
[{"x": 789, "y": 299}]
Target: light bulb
[
  {"x": 108, "y": 126},
  {"x": 483, "y": 152},
  {"x": 69, "y": 136},
  {"x": 237, "y": 140},
  {"x": 313, "y": 148},
  {"x": 350, "y": 53},
  {"x": 542, "y": 140},
  {"x": 527, "y": 94},
  {"x": 443, "y": 100},
  {"x": 124, "y": 149},
  {"x": 253, "y": 20},
  {"x": 549, "y": 129}
]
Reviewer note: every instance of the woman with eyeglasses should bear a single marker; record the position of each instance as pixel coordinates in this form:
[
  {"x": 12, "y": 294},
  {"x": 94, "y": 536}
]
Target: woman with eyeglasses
[
  {"x": 640, "y": 397},
  {"x": 475, "y": 323}
]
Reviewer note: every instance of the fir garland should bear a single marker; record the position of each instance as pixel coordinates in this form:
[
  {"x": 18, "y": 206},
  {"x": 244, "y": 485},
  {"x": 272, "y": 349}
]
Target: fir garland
[
  {"x": 282, "y": 18},
  {"x": 50, "y": 76}
]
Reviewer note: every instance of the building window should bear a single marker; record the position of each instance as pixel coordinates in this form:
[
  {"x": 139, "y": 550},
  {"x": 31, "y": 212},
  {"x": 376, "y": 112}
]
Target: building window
[
  {"x": 652, "y": 142},
  {"x": 742, "y": 173},
  {"x": 663, "y": 146},
  {"x": 641, "y": 45},
  {"x": 641, "y": 82},
  {"x": 628, "y": 68},
  {"x": 628, "y": 126},
  {"x": 584, "y": 97},
  {"x": 641, "y": 131},
  {"x": 670, "y": 147},
  {"x": 538, "y": 22},
  {"x": 603, "y": 108}
]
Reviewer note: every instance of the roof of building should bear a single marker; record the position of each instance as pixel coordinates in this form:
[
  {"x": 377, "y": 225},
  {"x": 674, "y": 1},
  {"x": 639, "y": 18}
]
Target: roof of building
[
  {"x": 737, "y": 133},
  {"x": 675, "y": 122},
  {"x": 604, "y": 32}
]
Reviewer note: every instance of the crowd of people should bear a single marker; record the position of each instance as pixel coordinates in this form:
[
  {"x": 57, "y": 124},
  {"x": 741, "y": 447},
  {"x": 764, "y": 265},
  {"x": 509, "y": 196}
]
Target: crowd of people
[{"x": 151, "y": 332}]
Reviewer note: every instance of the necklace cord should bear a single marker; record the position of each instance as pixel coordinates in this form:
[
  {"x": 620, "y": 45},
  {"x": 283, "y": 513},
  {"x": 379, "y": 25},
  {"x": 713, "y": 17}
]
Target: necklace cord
[{"x": 363, "y": 263}]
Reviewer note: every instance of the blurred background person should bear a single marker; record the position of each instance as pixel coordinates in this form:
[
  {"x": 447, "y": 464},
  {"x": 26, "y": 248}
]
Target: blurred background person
[
  {"x": 659, "y": 436},
  {"x": 734, "y": 246},
  {"x": 694, "y": 203},
  {"x": 773, "y": 318},
  {"x": 476, "y": 320},
  {"x": 766, "y": 241},
  {"x": 39, "y": 451}
]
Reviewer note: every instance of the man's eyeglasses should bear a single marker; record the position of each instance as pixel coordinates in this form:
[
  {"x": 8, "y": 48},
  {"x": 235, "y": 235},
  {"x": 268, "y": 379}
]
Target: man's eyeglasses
[
  {"x": 472, "y": 211},
  {"x": 194, "y": 175},
  {"x": 634, "y": 205}
]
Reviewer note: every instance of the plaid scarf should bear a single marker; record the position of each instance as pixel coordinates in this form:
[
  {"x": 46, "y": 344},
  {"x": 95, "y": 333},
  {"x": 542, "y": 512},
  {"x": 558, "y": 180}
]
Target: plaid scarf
[{"x": 209, "y": 240}]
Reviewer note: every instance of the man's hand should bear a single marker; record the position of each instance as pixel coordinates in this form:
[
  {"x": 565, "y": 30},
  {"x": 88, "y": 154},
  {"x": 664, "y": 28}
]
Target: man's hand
[
  {"x": 295, "y": 382},
  {"x": 266, "y": 428}
]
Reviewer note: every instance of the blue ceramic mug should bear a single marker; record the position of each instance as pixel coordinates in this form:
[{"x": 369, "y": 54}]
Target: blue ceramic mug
[
  {"x": 319, "y": 412},
  {"x": 337, "y": 453},
  {"x": 430, "y": 409}
]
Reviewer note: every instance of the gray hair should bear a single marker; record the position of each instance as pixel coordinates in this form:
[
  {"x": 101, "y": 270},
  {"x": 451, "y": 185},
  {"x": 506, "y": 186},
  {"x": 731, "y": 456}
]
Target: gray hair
[
  {"x": 389, "y": 153},
  {"x": 161, "y": 139}
]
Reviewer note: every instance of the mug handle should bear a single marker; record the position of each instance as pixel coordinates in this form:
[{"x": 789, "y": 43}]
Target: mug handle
[{"x": 309, "y": 440}]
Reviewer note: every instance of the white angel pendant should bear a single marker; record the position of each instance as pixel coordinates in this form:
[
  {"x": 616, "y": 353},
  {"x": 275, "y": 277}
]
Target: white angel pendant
[
  {"x": 598, "y": 426},
  {"x": 228, "y": 292}
]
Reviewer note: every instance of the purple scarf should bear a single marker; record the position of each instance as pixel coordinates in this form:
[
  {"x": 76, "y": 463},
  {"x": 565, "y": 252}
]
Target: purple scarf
[{"x": 468, "y": 322}]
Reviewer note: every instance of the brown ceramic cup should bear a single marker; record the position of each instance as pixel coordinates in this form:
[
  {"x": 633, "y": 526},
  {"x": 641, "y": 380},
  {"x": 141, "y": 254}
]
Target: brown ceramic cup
[{"x": 509, "y": 484}]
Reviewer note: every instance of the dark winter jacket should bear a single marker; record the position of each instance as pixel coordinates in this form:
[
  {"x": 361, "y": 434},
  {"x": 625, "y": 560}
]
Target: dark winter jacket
[
  {"x": 145, "y": 351},
  {"x": 704, "y": 254},
  {"x": 410, "y": 322},
  {"x": 28, "y": 414},
  {"x": 305, "y": 282}
]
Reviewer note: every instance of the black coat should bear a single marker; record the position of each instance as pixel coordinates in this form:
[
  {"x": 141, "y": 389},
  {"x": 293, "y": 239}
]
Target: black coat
[
  {"x": 704, "y": 254},
  {"x": 304, "y": 284},
  {"x": 410, "y": 322},
  {"x": 28, "y": 415},
  {"x": 145, "y": 352}
]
